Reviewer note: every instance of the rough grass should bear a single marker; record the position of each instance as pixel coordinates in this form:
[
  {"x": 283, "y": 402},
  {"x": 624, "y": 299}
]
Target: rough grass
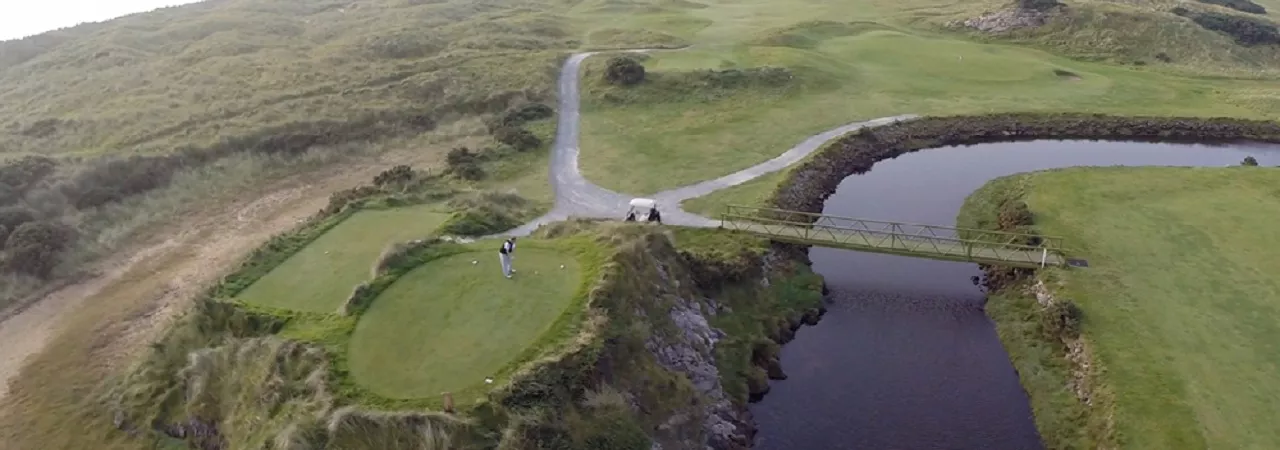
[
  {"x": 446, "y": 326},
  {"x": 1176, "y": 301},
  {"x": 321, "y": 276}
]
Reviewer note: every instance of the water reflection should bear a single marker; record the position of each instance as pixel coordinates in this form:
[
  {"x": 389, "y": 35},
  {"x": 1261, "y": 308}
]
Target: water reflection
[{"x": 905, "y": 358}]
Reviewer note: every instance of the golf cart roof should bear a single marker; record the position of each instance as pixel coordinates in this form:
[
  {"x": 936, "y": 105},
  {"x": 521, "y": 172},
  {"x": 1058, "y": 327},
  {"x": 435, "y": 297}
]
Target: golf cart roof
[{"x": 643, "y": 203}]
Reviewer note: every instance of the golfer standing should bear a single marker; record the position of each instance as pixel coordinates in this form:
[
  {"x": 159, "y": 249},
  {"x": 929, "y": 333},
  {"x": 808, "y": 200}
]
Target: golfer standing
[{"x": 507, "y": 252}]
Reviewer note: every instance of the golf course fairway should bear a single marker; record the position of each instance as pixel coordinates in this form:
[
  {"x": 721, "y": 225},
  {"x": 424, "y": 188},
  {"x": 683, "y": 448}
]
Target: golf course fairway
[{"x": 446, "y": 326}]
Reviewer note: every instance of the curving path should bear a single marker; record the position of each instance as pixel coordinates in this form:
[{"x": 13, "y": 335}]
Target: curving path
[{"x": 577, "y": 197}]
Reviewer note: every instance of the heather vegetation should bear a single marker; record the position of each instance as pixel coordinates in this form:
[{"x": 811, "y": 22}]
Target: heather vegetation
[
  {"x": 1246, "y": 31},
  {"x": 1238, "y": 5}
]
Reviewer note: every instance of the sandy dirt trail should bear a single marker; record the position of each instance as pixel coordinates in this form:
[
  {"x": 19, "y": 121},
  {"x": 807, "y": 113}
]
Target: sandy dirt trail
[{"x": 205, "y": 247}]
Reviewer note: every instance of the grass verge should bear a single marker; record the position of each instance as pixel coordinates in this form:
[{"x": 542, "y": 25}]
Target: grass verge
[{"x": 1173, "y": 302}]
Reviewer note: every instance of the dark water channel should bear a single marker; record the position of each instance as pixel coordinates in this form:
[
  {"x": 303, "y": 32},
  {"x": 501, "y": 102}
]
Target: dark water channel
[{"x": 905, "y": 358}]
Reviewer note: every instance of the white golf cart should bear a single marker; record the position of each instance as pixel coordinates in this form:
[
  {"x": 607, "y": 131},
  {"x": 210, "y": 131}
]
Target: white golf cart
[{"x": 644, "y": 209}]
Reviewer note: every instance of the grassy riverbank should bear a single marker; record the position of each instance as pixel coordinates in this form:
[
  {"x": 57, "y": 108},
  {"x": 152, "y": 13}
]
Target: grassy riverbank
[{"x": 1176, "y": 304}]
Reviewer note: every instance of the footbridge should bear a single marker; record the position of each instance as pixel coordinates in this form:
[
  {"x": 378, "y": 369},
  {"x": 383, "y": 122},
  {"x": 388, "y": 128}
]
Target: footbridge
[{"x": 926, "y": 241}]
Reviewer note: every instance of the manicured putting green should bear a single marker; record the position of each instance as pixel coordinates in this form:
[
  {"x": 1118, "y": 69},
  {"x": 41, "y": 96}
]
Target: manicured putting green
[
  {"x": 321, "y": 276},
  {"x": 450, "y": 323}
]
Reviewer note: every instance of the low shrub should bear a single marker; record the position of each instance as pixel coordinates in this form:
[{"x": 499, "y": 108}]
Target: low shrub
[
  {"x": 611, "y": 428},
  {"x": 9, "y": 195},
  {"x": 1015, "y": 215},
  {"x": 35, "y": 248},
  {"x": 624, "y": 71},
  {"x": 518, "y": 138},
  {"x": 22, "y": 174},
  {"x": 13, "y": 217},
  {"x": 522, "y": 114},
  {"x": 1238, "y": 5},
  {"x": 464, "y": 164},
  {"x": 1246, "y": 32},
  {"x": 486, "y": 213},
  {"x": 1249, "y": 161},
  {"x": 340, "y": 199},
  {"x": 1061, "y": 320},
  {"x": 395, "y": 176},
  {"x": 1038, "y": 5},
  {"x": 479, "y": 222}
]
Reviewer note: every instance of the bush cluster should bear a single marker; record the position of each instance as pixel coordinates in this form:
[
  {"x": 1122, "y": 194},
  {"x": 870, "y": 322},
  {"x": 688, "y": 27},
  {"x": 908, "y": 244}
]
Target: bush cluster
[
  {"x": 35, "y": 248},
  {"x": 1249, "y": 161},
  {"x": 1238, "y": 5},
  {"x": 1015, "y": 215},
  {"x": 624, "y": 71},
  {"x": 395, "y": 176},
  {"x": 508, "y": 127},
  {"x": 111, "y": 180},
  {"x": 29, "y": 243},
  {"x": 464, "y": 164},
  {"x": 1038, "y": 5},
  {"x": 486, "y": 213},
  {"x": 1245, "y": 31},
  {"x": 1061, "y": 320}
]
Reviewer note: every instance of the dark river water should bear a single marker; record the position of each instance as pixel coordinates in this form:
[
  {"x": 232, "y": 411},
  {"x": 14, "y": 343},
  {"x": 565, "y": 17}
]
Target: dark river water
[{"x": 905, "y": 357}]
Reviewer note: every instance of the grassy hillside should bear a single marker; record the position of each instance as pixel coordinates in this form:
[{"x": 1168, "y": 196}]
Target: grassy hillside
[
  {"x": 1176, "y": 309},
  {"x": 197, "y": 74},
  {"x": 108, "y": 129}
]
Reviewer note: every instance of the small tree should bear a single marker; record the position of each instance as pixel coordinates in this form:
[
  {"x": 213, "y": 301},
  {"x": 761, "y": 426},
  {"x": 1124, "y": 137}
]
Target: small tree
[
  {"x": 624, "y": 70},
  {"x": 1249, "y": 161}
]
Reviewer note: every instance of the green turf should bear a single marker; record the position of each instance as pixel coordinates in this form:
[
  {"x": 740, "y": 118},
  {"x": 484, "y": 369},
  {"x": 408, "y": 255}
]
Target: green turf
[
  {"x": 841, "y": 79},
  {"x": 321, "y": 276},
  {"x": 450, "y": 323},
  {"x": 1180, "y": 300}
]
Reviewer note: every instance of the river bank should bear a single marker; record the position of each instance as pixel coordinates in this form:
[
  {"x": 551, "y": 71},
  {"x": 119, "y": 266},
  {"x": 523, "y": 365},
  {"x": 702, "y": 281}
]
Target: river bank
[{"x": 930, "y": 187}]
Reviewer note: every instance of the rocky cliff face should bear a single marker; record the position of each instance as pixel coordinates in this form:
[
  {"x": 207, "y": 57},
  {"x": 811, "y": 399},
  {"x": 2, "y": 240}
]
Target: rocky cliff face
[
  {"x": 689, "y": 293},
  {"x": 683, "y": 342},
  {"x": 691, "y": 351}
]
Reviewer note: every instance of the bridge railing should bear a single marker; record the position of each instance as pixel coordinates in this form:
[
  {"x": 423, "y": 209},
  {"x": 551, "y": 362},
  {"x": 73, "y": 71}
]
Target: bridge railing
[{"x": 900, "y": 236}]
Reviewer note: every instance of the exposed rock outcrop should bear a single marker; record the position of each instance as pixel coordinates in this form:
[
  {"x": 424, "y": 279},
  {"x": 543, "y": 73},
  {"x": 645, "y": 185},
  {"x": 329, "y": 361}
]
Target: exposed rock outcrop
[
  {"x": 1006, "y": 20},
  {"x": 692, "y": 351}
]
